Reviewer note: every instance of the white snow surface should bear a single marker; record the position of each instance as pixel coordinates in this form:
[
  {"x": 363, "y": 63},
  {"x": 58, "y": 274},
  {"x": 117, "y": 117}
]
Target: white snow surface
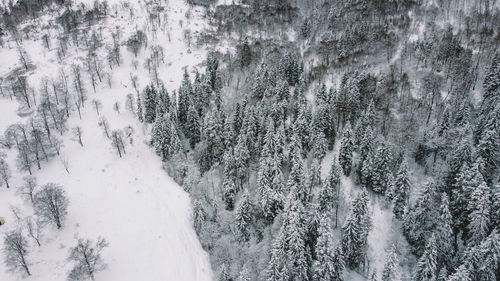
[{"x": 131, "y": 201}]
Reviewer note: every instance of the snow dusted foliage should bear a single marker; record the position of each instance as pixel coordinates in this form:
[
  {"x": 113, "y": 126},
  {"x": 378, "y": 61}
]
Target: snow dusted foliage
[{"x": 294, "y": 140}]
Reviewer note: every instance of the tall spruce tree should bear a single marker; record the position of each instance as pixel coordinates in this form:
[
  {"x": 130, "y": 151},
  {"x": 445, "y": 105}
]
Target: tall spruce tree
[{"x": 346, "y": 149}]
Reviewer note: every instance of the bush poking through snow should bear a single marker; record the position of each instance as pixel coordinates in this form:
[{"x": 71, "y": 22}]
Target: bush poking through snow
[{"x": 87, "y": 258}]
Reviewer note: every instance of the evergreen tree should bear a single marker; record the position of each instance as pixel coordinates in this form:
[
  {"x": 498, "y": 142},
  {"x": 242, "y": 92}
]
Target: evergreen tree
[
  {"x": 193, "y": 126},
  {"x": 295, "y": 234},
  {"x": 346, "y": 149},
  {"x": 462, "y": 274},
  {"x": 243, "y": 216},
  {"x": 444, "y": 234},
  {"x": 379, "y": 177},
  {"x": 355, "y": 232},
  {"x": 329, "y": 262},
  {"x": 319, "y": 145},
  {"x": 163, "y": 102},
  {"x": 244, "y": 274},
  {"x": 164, "y": 137},
  {"x": 479, "y": 216},
  {"x": 140, "y": 114},
  {"x": 150, "y": 102},
  {"x": 224, "y": 275},
  {"x": 184, "y": 98},
  {"x": 276, "y": 268},
  {"x": 329, "y": 195},
  {"x": 427, "y": 263},
  {"x": 421, "y": 218},
  {"x": 401, "y": 190},
  {"x": 389, "y": 271}
]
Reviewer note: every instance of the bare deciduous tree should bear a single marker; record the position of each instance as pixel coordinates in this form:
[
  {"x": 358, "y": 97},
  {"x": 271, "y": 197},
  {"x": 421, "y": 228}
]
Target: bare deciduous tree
[
  {"x": 103, "y": 122},
  {"x": 51, "y": 204},
  {"x": 117, "y": 142},
  {"x": 34, "y": 228},
  {"x": 16, "y": 252},
  {"x": 87, "y": 257},
  {"x": 97, "y": 105},
  {"x": 28, "y": 188},
  {"x": 5, "y": 172},
  {"x": 77, "y": 132}
]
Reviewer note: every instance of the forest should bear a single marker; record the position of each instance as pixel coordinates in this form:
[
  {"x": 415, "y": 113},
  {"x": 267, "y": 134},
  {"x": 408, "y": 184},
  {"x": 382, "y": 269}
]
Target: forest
[{"x": 317, "y": 140}]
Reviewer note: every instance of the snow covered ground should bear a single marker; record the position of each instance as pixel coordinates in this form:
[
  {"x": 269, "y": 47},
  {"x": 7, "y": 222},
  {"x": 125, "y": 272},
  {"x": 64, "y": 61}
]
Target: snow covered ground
[{"x": 131, "y": 202}]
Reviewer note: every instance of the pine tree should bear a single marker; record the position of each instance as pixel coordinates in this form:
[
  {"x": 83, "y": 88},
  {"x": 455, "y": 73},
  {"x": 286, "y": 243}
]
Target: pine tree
[
  {"x": 329, "y": 195},
  {"x": 243, "y": 216},
  {"x": 421, "y": 218},
  {"x": 163, "y": 102},
  {"x": 379, "y": 178},
  {"x": 319, "y": 145},
  {"x": 479, "y": 216},
  {"x": 329, "y": 262},
  {"x": 355, "y": 232},
  {"x": 462, "y": 274},
  {"x": 164, "y": 137},
  {"x": 224, "y": 275},
  {"x": 492, "y": 78},
  {"x": 244, "y": 274},
  {"x": 389, "y": 271},
  {"x": 139, "y": 109},
  {"x": 241, "y": 158},
  {"x": 184, "y": 98},
  {"x": 427, "y": 263},
  {"x": 401, "y": 190},
  {"x": 193, "y": 126},
  {"x": 295, "y": 234},
  {"x": 150, "y": 102},
  {"x": 444, "y": 234},
  {"x": 276, "y": 268},
  {"x": 346, "y": 149}
]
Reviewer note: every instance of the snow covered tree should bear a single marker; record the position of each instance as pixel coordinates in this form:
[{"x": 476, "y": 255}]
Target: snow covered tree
[
  {"x": 16, "y": 252},
  {"x": 27, "y": 190},
  {"x": 377, "y": 173},
  {"x": 329, "y": 195},
  {"x": 87, "y": 259},
  {"x": 329, "y": 263},
  {"x": 401, "y": 190},
  {"x": 224, "y": 275},
  {"x": 421, "y": 218},
  {"x": 277, "y": 269},
  {"x": 389, "y": 271},
  {"x": 355, "y": 232},
  {"x": 461, "y": 274},
  {"x": 140, "y": 113},
  {"x": 150, "y": 100},
  {"x": 193, "y": 126},
  {"x": 243, "y": 216},
  {"x": 479, "y": 216},
  {"x": 51, "y": 204},
  {"x": 164, "y": 137},
  {"x": 444, "y": 234},
  {"x": 319, "y": 145},
  {"x": 5, "y": 172},
  {"x": 118, "y": 142},
  {"x": 244, "y": 274},
  {"x": 295, "y": 234},
  {"x": 346, "y": 149},
  {"x": 427, "y": 263}
]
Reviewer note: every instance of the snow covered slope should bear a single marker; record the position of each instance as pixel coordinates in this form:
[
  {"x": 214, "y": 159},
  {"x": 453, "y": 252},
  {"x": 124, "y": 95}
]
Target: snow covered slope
[{"x": 131, "y": 202}]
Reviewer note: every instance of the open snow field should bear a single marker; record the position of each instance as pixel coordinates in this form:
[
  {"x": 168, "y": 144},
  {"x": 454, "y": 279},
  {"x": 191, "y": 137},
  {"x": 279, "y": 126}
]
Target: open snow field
[{"x": 131, "y": 201}]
